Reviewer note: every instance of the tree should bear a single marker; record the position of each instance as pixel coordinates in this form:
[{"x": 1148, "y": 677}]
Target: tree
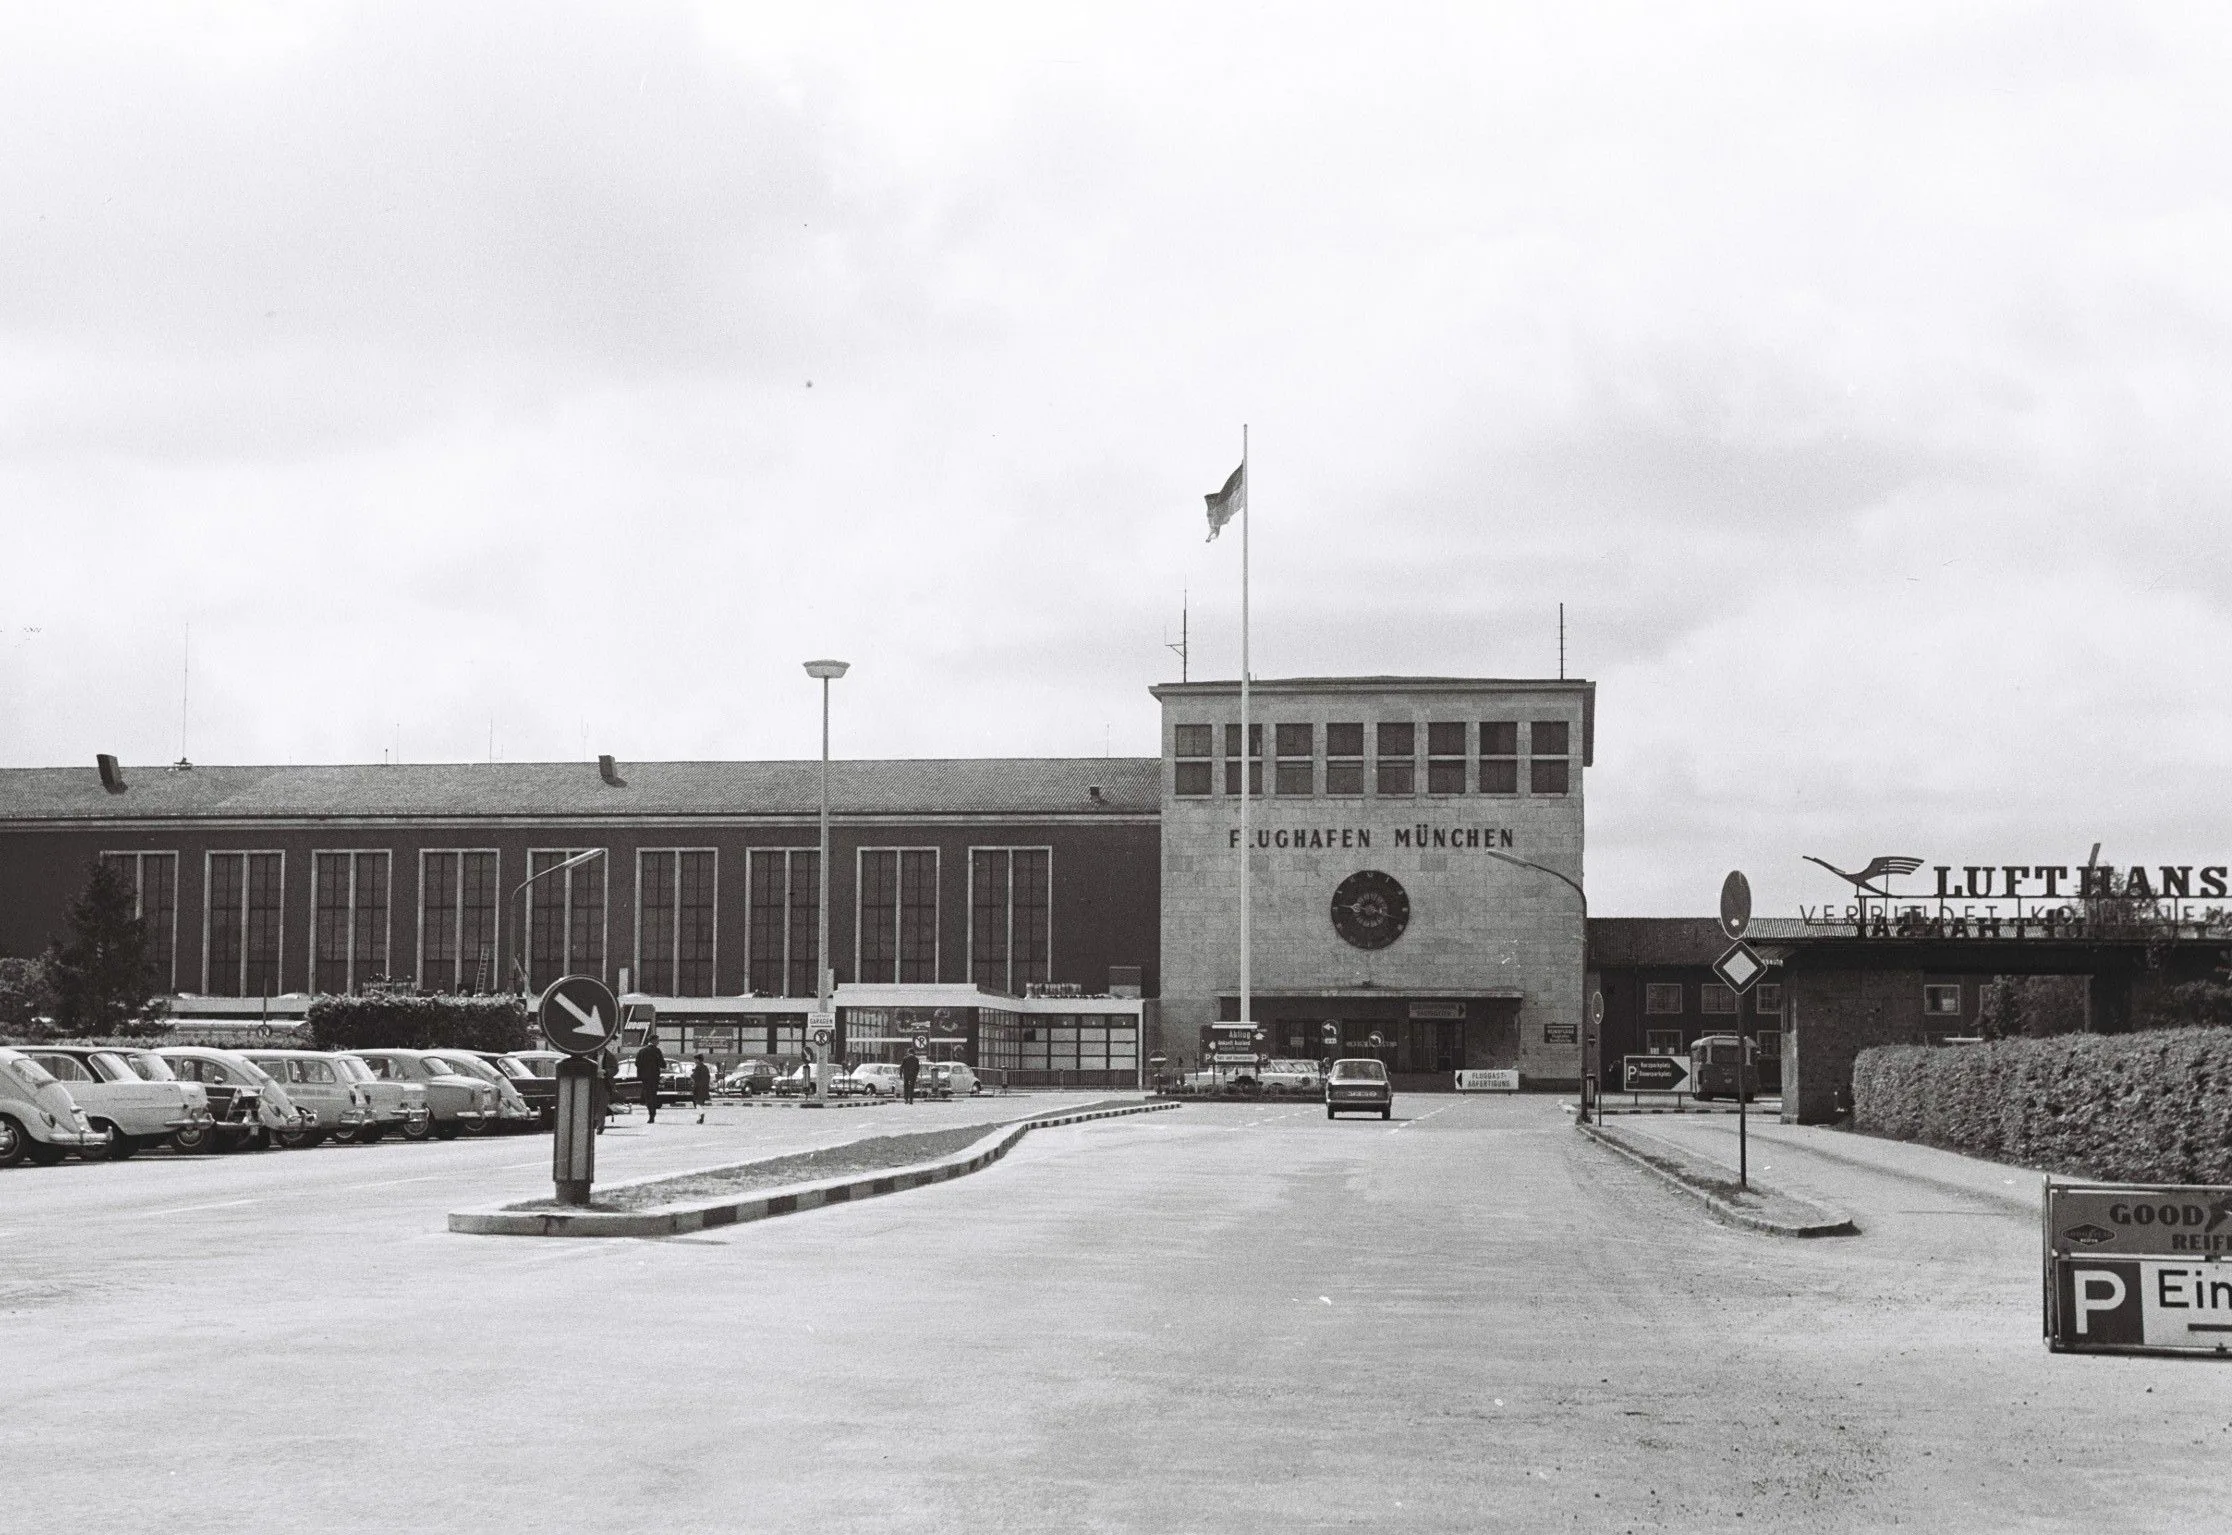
[
  {"x": 101, "y": 976},
  {"x": 2032, "y": 1007},
  {"x": 25, "y": 998}
]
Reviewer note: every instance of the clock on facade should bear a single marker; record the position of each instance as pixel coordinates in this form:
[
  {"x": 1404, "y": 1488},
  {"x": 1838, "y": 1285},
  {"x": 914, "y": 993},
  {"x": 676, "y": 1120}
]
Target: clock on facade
[{"x": 1370, "y": 909}]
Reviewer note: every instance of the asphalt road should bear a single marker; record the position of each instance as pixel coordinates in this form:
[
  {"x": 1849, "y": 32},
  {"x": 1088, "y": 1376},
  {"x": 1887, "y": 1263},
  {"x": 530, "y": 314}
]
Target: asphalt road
[{"x": 1224, "y": 1318}]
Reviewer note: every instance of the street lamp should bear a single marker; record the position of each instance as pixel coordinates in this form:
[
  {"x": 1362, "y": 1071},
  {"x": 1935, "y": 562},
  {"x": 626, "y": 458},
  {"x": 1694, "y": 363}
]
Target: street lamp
[
  {"x": 519, "y": 955},
  {"x": 827, "y": 672},
  {"x": 1585, "y": 1024}
]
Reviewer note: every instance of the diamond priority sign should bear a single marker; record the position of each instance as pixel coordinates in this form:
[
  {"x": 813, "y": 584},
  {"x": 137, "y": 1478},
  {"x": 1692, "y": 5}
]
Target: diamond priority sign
[{"x": 1741, "y": 967}]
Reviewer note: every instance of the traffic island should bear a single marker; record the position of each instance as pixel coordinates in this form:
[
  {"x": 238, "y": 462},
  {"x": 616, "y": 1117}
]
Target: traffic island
[
  {"x": 1714, "y": 1186},
  {"x": 750, "y": 1191}
]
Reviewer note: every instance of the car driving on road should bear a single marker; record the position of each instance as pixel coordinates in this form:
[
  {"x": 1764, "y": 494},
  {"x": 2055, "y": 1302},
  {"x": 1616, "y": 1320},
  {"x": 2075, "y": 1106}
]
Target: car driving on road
[{"x": 1359, "y": 1086}]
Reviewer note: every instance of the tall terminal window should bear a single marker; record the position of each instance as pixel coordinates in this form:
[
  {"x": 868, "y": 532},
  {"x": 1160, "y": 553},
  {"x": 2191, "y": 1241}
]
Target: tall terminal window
[
  {"x": 241, "y": 945},
  {"x": 674, "y": 921},
  {"x": 1193, "y": 746},
  {"x": 898, "y": 929},
  {"x": 1297, "y": 772},
  {"x": 153, "y": 878},
  {"x": 565, "y": 917},
  {"x": 1398, "y": 758},
  {"x": 1344, "y": 759},
  {"x": 1010, "y": 917},
  {"x": 1445, "y": 757},
  {"x": 1255, "y": 760},
  {"x": 349, "y": 922},
  {"x": 1548, "y": 770},
  {"x": 458, "y": 919},
  {"x": 783, "y": 935},
  {"x": 1499, "y": 756}
]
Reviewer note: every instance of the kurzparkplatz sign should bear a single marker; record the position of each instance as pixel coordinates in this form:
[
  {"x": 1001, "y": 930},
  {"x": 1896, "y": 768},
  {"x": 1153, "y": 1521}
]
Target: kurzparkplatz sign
[
  {"x": 2138, "y": 1268},
  {"x": 1654, "y": 1074}
]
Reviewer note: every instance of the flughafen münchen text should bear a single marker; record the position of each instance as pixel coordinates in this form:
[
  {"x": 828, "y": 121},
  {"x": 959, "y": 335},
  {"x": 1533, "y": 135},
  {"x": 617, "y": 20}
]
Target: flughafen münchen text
[{"x": 1336, "y": 837}]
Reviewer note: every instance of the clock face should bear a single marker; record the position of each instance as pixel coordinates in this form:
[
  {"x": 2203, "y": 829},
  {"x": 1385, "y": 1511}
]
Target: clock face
[{"x": 1370, "y": 909}]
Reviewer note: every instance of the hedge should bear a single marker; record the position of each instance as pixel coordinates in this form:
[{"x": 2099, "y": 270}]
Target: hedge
[
  {"x": 2154, "y": 1107},
  {"x": 419, "y": 1023}
]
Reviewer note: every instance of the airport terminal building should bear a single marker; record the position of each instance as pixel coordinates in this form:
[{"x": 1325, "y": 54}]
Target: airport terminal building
[{"x": 1061, "y": 920}]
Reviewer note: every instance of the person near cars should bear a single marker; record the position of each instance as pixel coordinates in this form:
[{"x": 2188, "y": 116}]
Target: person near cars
[
  {"x": 650, "y": 1066},
  {"x": 701, "y": 1083},
  {"x": 910, "y": 1067}
]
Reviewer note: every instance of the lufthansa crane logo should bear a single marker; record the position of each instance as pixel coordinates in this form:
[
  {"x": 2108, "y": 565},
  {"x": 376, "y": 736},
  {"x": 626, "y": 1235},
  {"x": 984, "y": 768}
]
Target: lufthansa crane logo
[{"x": 1880, "y": 867}]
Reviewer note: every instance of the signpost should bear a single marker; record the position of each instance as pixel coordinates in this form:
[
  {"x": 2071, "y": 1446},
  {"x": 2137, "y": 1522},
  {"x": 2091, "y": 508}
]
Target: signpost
[
  {"x": 1740, "y": 968},
  {"x": 1592, "y": 1068},
  {"x": 2138, "y": 1268},
  {"x": 1654, "y": 1074},
  {"x": 580, "y": 1017}
]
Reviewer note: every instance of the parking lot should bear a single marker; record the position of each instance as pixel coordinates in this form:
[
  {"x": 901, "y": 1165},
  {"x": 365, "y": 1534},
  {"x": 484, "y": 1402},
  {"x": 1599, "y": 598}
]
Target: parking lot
[{"x": 1230, "y": 1317}]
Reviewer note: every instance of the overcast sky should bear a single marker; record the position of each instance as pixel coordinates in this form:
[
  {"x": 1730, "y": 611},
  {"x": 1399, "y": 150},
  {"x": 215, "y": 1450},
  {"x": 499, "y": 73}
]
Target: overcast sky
[{"x": 565, "y": 375}]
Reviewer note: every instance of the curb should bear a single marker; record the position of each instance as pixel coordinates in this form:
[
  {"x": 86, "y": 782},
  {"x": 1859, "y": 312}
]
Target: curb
[
  {"x": 1833, "y": 1223},
  {"x": 761, "y": 1204}
]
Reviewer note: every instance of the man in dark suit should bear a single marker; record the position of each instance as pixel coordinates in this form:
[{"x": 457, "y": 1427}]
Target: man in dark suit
[
  {"x": 650, "y": 1066},
  {"x": 910, "y": 1067}
]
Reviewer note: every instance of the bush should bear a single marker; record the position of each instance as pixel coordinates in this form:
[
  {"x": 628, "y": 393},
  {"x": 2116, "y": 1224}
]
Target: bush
[
  {"x": 392, "y": 1020},
  {"x": 2131, "y": 1108}
]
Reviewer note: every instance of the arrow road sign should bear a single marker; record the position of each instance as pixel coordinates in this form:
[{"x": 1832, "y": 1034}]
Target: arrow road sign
[
  {"x": 1741, "y": 967},
  {"x": 1654, "y": 1074},
  {"x": 578, "y": 1015}
]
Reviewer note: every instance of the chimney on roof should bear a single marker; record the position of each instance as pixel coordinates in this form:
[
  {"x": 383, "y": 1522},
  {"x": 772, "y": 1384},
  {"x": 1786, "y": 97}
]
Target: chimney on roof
[
  {"x": 1093, "y": 792},
  {"x": 609, "y": 771},
  {"x": 112, "y": 776}
]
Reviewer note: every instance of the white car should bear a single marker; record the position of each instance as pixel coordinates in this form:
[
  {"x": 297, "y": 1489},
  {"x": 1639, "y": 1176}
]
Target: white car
[
  {"x": 130, "y": 1112},
  {"x": 277, "y": 1114},
  {"x": 324, "y": 1085},
  {"x": 1291, "y": 1076},
  {"x": 952, "y": 1079},
  {"x": 881, "y": 1078},
  {"x": 39, "y": 1121}
]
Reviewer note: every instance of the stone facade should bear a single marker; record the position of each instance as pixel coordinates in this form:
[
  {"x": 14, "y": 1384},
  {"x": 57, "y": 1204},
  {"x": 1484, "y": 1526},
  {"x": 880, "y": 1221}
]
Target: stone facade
[{"x": 1488, "y": 969}]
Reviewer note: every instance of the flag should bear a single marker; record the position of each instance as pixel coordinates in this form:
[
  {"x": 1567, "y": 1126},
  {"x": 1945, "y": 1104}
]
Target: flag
[{"x": 1227, "y": 501}]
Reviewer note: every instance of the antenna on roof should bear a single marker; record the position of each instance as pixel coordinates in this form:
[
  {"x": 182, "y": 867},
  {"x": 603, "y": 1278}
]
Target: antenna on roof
[{"x": 1180, "y": 647}]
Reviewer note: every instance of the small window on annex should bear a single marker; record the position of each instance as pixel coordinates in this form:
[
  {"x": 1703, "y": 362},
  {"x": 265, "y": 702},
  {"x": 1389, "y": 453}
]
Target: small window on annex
[
  {"x": 1398, "y": 758},
  {"x": 1499, "y": 756},
  {"x": 1662, "y": 1041},
  {"x": 1713, "y": 997},
  {"x": 1942, "y": 1001},
  {"x": 1549, "y": 771},
  {"x": 1255, "y": 761},
  {"x": 1297, "y": 771},
  {"x": 1767, "y": 998},
  {"x": 1662, "y": 997},
  {"x": 1445, "y": 757},
  {"x": 1193, "y": 746},
  {"x": 1344, "y": 759}
]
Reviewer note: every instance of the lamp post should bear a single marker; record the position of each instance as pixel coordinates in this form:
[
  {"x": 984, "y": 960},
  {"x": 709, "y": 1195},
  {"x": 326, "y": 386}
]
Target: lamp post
[
  {"x": 519, "y": 956},
  {"x": 826, "y": 672},
  {"x": 1583, "y": 1024}
]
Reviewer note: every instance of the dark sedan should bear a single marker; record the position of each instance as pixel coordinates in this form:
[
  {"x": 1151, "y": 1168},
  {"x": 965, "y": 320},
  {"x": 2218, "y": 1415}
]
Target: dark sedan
[
  {"x": 534, "y": 1075},
  {"x": 1359, "y": 1086}
]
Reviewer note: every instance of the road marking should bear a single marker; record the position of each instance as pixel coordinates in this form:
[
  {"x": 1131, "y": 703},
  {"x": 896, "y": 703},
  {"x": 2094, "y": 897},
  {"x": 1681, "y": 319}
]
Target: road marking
[
  {"x": 1421, "y": 1119},
  {"x": 389, "y": 1183},
  {"x": 222, "y": 1204},
  {"x": 513, "y": 1167}
]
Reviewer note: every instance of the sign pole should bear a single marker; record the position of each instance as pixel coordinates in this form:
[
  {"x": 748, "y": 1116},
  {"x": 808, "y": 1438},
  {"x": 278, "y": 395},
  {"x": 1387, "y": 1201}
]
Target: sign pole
[
  {"x": 573, "y": 1143},
  {"x": 1735, "y": 918}
]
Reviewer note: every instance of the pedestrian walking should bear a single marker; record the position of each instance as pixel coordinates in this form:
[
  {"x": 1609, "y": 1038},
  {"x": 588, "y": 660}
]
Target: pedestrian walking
[
  {"x": 701, "y": 1083},
  {"x": 650, "y": 1067},
  {"x": 910, "y": 1067}
]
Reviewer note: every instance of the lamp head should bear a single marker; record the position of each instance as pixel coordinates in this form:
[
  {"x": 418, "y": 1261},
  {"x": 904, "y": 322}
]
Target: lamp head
[{"x": 827, "y": 670}]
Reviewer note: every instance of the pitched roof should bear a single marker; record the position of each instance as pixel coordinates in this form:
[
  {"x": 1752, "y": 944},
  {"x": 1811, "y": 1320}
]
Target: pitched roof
[
  {"x": 1020, "y": 786},
  {"x": 1642, "y": 941}
]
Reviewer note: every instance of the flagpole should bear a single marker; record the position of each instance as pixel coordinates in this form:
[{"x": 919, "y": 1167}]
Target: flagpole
[{"x": 1247, "y": 754}]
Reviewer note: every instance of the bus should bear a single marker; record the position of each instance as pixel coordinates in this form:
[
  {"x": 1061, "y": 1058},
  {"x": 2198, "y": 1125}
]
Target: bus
[{"x": 1713, "y": 1067}]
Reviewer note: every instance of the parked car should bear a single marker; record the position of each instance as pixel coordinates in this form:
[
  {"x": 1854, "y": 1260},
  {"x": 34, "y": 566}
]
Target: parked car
[
  {"x": 953, "y": 1079},
  {"x": 1290, "y": 1077},
  {"x": 131, "y": 1112},
  {"x": 1359, "y": 1085},
  {"x": 318, "y": 1082},
  {"x": 533, "y": 1074},
  {"x": 39, "y": 1121},
  {"x": 454, "y": 1099},
  {"x": 748, "y": 1079},
  {"x": 234, "y": 1098},
  {"x": 274, "y": 1109},
  {"x": 880, "y": 1078},
  {"x": 513, "y": 1112},
  {"x": 395, "y": 1105}
]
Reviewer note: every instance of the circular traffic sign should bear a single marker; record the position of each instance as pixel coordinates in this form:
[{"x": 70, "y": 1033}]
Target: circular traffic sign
[
  {"x": 579, "y": 1015},
  {"x": 1331, "y": 1032},
  {"x": 821, "y": 1036},
  {"x": 922, "y": 1041},
  {"x": 1377, "y": 1039},
  {"x": 1735, "y": 905},
  {"x": 1596, "y": 1008}
]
